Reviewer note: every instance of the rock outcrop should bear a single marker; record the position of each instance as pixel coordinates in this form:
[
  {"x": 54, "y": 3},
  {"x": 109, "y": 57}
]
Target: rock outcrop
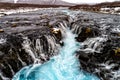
[{"x": 34, "y": 37}]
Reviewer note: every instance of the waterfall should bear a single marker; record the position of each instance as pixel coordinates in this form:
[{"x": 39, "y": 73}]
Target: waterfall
[
  {"x": 38, "y": 48},
  {"x": 64, "y": 66},
  {"x": 38, "y": 43},
  {"x": 93, "y": 44}
]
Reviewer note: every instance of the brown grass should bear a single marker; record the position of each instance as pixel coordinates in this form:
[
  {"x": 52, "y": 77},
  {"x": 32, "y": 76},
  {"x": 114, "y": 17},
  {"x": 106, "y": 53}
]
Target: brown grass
[
  {"x": 14, "y": 6},
  {"x": 96, "y": 7}
]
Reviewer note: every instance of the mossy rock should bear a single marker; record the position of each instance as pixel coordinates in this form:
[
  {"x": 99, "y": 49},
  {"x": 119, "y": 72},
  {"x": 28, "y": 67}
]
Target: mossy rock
[
  {"x": 1, "y": 30},
  {"x": 14, "y": 25},
  {"x": 117, "y": 52}
]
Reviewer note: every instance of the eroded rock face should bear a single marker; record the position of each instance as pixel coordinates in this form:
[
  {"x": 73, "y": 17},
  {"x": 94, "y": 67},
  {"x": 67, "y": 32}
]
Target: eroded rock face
[
  {"x": 25, "y": 42},
  {"x": 103, "y": 48},
  {"x": 34, "y": 37},
  {"x": 24, "y": 48}
]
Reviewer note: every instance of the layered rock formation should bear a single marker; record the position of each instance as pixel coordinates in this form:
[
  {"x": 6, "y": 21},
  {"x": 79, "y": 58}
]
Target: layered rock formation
[{"x": 34, "y": 37}]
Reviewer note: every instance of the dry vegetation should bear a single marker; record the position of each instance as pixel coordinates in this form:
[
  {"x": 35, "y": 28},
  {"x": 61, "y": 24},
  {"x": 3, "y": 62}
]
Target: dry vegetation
[
  {"x": 14, "y": 6},
  {"x": 96, "y": 7}
]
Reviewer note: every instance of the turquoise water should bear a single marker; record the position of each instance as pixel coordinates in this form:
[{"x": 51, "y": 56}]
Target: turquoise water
[{"x": 64, "y": 66}]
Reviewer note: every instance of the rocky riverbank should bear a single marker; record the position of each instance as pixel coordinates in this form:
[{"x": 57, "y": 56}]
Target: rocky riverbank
[{"x": 34, "y": 37}]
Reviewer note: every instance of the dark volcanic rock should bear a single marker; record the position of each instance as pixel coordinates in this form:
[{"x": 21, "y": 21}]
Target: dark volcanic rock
[
  {"x": 87, "y": 32},
  {"x": 34, "y": 37},
  {"x": 25, "y": 42},
  {"x": 106, "y": 62}
]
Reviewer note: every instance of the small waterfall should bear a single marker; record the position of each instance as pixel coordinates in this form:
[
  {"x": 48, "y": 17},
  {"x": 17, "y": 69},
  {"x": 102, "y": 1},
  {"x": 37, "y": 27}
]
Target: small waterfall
[
  {"x": 40, "y": 47},
  {"x": 93, "y": 45},
  {"x": 24, "y": 49},
  {"x": 64, "y": 66},
  {"x": 76, "y": 28},
  {"x": 26, "y": 45},
  {"x": 4, "y": 78},
  {"x": 2, "y": 41}
]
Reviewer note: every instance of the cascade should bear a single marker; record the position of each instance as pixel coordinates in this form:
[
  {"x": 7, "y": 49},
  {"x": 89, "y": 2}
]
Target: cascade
[{"x": 64, "y": 66}]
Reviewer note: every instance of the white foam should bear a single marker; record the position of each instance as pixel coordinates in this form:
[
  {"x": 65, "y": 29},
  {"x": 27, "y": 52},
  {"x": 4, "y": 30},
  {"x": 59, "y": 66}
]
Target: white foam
[
  {"x": 93, "y": 44},
  {"x": 2, "y": 41}
]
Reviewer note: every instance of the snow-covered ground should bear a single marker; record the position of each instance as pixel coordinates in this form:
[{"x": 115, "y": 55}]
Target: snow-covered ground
[
  {"x": 19, "y": 10},
  {"x": 4, "y": 12},
  {"x": 114, "y": 10}
]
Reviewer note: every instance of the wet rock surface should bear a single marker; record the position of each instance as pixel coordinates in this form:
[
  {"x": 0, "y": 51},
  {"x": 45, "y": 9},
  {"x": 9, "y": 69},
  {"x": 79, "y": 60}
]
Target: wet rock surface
[
  {"x": 101, "y": 51},
  {"x": 34, "y": 37}
]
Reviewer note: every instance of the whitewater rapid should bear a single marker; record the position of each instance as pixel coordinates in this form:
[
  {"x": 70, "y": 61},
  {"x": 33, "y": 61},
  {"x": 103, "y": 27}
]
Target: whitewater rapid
[{"x": 64, "y": 66}]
